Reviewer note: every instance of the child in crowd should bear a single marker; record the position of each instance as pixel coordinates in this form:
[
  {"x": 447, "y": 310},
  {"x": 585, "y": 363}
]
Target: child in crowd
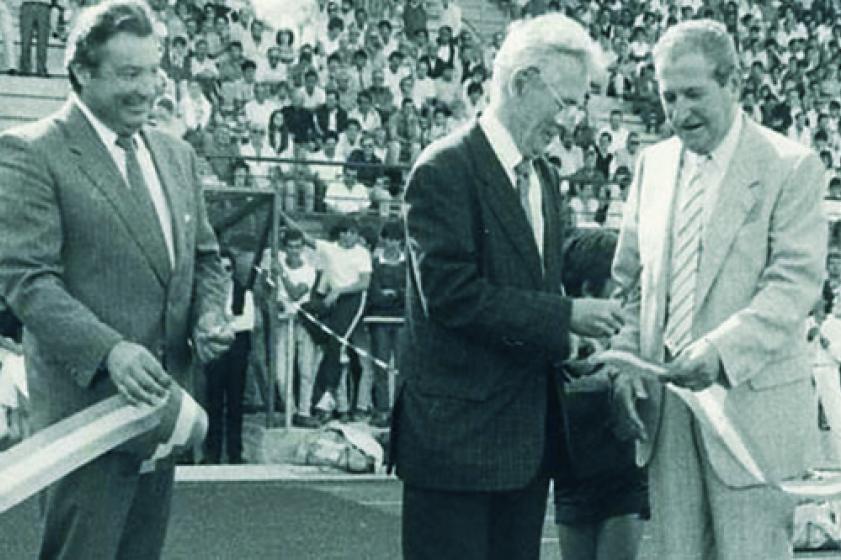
[
  {"x": 386, "y": 296},
  {"x": 824, "y": 336},
  {"x": 601, "y": 497}
]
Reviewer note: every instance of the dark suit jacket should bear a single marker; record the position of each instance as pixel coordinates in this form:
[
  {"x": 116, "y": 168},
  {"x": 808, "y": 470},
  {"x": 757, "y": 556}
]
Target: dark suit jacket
[
  {"x": 82, "y": 270},
  {"x": 322, "y": 119},
  {"x": 485, "y": 326}
]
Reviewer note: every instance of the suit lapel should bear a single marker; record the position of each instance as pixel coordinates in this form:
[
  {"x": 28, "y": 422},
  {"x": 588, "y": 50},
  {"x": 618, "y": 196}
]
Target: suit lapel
[
  {"x": 657, "y": 193},
  {"x": 95, "y": 161},
  {"x": 177, "y": 205},
  {"x": 503, "y": 201},
  {"x": 738, "y": 193}
]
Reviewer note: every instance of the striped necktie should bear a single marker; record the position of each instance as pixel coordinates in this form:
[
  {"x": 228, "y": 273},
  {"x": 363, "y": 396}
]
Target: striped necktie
[
  {"x": 522, "y": 173},
  {"x": 686, "y": 250}
]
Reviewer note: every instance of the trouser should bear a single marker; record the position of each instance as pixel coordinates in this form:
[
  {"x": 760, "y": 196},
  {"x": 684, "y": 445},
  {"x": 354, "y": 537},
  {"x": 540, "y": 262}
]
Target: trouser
[
  {"x": 7, "y": 30},
  {"x": 34, "y": 15},
  {"x": 306, "y": 354},
  {"x": 225, "y": 387},
  {"x": 107, "y": 509},
  {"x": 357, "y": 375},
  {"x": 342, "y": 320},
  {"x": 384, "y": 345},
  {"x": 828, "y": 383}
]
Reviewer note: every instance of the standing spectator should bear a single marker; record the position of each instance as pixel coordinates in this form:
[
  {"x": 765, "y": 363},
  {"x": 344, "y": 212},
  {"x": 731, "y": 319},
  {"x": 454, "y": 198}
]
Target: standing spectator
[
  {"x": 347, "y": 273},
  {"x": 113, "y": 270},
  {"x": 226, "y": 374},
  {"x": 348, "y": 196},
  {"x": 296, "y": 278},
  {"x": 386, "y": 295},
  {"x": 823, "y": 333},
  {"x": 34, "y": 15},
  {"x": 414, "y": 17}
]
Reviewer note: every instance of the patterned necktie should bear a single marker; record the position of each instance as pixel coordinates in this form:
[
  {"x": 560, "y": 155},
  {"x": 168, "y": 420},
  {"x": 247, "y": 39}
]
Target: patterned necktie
[
  {"x": 522, "y": 172},
  {"x": 140, "y": 192},
  {"x": 686, "y": 250}
]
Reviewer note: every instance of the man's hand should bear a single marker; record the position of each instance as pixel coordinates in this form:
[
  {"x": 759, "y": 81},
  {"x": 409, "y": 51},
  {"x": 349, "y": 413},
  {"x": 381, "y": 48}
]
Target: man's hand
[
  {"x": 697, "y": 367},
  {"x": 627, "y": 424},
  {"x": 213, "y": 336},
  {"x": 138, "y": 376},
  {"x": 595, "y": 317}
]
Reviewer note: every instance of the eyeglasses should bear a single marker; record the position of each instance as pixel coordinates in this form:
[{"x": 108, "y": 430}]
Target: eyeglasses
[{"x": 565, "y": 104}]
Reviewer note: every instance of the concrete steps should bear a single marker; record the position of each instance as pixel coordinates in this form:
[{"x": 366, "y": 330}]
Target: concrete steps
[{"x": 24, "y": 99}]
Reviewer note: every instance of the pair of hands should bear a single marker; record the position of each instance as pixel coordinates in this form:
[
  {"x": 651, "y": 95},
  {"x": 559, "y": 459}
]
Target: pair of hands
[
  {"x": 139, "y": 375},
  {"x": 697, "y": 367}
]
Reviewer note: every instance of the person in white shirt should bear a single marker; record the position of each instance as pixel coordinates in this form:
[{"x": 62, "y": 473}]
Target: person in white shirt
[
  {"x": 312, "y": 94},
  {"x": 364, "y": 113},
  {"x": 255, "y": 152},
  {"x": 823, "y": 333},
  {"x": 347, "y": 196},
  {"x": 194, "y": 108},
  {"x": 259, "y": 110},
  {"x": 627, "y": 156},
  {"x": 800, "y": 131},
  {"x": 450, "y": 15},
  {"x": 254, "y": 45},
  {"x": 271, "y": 69},
  {"x": 618, "y": 133},
  {"x": 570, "y": 154},
  {"x": 329, "y": 168},
  {"x": 349, "y": 140}
]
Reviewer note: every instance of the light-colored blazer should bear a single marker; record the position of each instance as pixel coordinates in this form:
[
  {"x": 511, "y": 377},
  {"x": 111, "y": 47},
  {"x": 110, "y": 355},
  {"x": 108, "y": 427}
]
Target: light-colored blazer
[
  {"x": 761, "y": 266},
  {"x": 83, "y": 269}
]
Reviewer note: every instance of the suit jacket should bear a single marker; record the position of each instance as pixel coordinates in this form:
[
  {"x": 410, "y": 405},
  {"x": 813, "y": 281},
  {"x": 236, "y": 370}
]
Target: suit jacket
[
  {"x": 760, "y": 272},
  {"x": 485, "y": 326},
  {"x": 82, "y": 270},
  {"x": 322, "y": 119}
]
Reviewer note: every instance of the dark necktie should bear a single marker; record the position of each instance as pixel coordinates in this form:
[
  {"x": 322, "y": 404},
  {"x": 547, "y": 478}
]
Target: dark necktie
[
  {"x": 522, "y": 172},
  {"x": 140, "y": 193}
]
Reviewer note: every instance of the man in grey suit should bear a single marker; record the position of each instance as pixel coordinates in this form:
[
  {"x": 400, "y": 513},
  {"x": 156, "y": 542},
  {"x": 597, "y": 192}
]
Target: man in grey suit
[
  {"x": 107, "y": 258},
  {"x": 721, "y": 257},
  {"x": 476, "y": 431}
]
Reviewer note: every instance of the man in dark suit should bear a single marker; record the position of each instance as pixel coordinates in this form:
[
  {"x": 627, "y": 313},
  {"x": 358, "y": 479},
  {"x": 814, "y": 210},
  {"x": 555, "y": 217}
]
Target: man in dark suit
[
  {"x": 107, "y": 258},
  {"x": 330, "y": 116},
  {"x": 476, "y": 430}
]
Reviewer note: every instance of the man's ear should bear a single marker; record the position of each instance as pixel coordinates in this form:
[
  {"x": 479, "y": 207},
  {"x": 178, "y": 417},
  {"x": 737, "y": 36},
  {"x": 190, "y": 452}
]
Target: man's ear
[
  {"x": 518, "y": 80},
  {"x": 82, "y": 73}
]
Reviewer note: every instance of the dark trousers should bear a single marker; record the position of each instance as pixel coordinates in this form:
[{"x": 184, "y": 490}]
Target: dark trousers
[
  {"x": 225, "y": 388},
  {"x": 34, "y": 15},
  {"x": 383, "y": 345},
  {"x": 445, "y": 525},
  {"x": 343, "y": 319},
  {"x": 106, "y": 509}
]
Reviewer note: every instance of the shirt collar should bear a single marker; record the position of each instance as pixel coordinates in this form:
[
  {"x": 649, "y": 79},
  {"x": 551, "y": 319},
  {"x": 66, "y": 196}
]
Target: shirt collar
[
  {"x": 108, "y": 136},
  {"x": 501, "y": 141}
]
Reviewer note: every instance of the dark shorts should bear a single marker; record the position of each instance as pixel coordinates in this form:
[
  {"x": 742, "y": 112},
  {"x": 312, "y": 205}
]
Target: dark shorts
[{"x": 593, "y": 500}]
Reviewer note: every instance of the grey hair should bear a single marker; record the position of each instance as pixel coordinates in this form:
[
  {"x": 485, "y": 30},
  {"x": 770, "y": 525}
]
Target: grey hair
[
  {"x": 705, "y": 36},
  {"x": 539, "y": 42}
]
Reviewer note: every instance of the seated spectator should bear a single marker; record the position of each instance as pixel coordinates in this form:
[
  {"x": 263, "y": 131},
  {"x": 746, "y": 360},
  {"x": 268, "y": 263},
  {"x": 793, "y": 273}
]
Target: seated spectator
[
  {"x": 296, "y": 279},
  {"x": 445, "y": 52},
  {"x": 646, "y": 99},
  {"x": 604, "y": 159},
  {"x": 360, "y": 71},
  {"x": 256, "y": 151},
  {"x": 259, "y": 110},
  {"x": 415, "y": 17},
  {"x": 439, "y": 127},
  {"x": 424, "y": 89},
  {"x": 230, "y": 62},
  {"x": 800, "y": 131},
  {"x": 626, "y": 156},
  {"x": 349, "y": 140},
  {"x": 218, "y": 37},
  {"x": 204, "y": 69},
  {"x": 241, "y": 174},
  {"x": 367, "y": 164},
  {"x": 220, "y": 150},
  {"x": 380, "y": 136},
  {"x": 381, "y": 95},
  {"x": 328, "y": 169},
  {"x": 348, "y": 196},
  {"x": 365, "y": 114},
  {"x": 569, "y": 154},
  {"x": 312, "y": 95},
  {"x": 298, "y": 119},
  {"x": 255, "y": 46},
  {"x": 389, "y": 43},
  {"x": 285, "y": 38},
  {"x": 194, "y": 108},
  {"x": 176, "y": 62},
  {"x": 348, "y": 95},
  {"x": 243, "y": 88},
  {"x": 271, "y": 69},
  {"x": 585, "y": 203},
  {"x": 618, "y": 132},
  {"x": 589, "y": 173},
  {"x": 458, "y": 114},
  {"x": 404, "y": 132},
  {"x": 475, "y": 101},
  {"x": 330, "y": 40},
  {"x": 330, "y": 117},
  {"x": 406, "y": 90},
  {"x": 386, "y": 293},
  {"x": 165, "y": 119},
  {"x": 447, "y": 88}
]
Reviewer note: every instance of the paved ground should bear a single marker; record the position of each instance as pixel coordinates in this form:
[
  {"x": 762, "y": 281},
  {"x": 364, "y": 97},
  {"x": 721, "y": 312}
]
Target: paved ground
[{"x": 222, "y": 513}]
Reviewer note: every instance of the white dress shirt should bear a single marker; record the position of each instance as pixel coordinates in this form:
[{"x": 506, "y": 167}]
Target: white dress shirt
[
  {"x": 509, "y": 156},
  {"x": 147, "y": 167}
]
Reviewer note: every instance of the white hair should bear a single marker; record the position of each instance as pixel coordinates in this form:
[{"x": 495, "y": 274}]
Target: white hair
[{"x": 539, "y": 42}]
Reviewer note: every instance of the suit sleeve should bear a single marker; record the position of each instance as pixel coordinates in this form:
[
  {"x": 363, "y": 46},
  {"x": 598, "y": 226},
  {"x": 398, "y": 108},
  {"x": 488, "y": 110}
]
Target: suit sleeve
[
  {"x": 445, "y": 247},
  {"x": 210, "y": 283},
  {"x": 31, "y": 269},
  {"x": 627, "y": 268},
  {"x": 790, "y": 283}
]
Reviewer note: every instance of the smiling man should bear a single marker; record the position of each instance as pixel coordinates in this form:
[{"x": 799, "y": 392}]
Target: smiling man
[
  {"x": 721, "y": 257},
  {"x": 476, "y": 432},
  {"x": 107, "y": 258}
]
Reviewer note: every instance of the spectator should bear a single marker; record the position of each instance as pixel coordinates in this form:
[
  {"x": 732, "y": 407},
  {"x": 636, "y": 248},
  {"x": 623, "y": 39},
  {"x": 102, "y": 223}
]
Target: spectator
[
  {"x": 176, "y": 62},
  {"x": 589, "y": 173},
  {"x": 627, "y": 156},
  {"x": 204, "y": 69},
  {"x": 298, "y": 119},
  {"x": 475, "y": 102},
  {"x": 296, "y": 279},
  {"x": 360, "y": 71},
  {"x": 439, "y": 127},
  {"x": 329, "y": 167},
  {"x": 370, "y": 164},
  {"x": 447, "y": 88},
  {"x": 415, "y": 17},
  {"x": 604, "y": 159},
  {"x": 364, "y": 113},
  {"x": 389, "y": 44},
  {"x": 285, "y": 38},
  {"x": 259, "y": 110},
  {"x": 347, "y": 273},
  {"x": 254, "y": 44},
  {"x": 271, "y": 69},
  {"x": 568, "y": 152},
  {"x": 450, "y": 16},
  {"x": 312, "y": 95},
  {"x": 226, "y": 374},
  {"x": 330, "y": 117},
  {"x": 241, "y": 174},
  {"x": 385, "y": 299},
  {"x": 330, "y": 41},
  {"x": 404, "y": 132},
  {"x": 381, "y": 94},
  {"x": 800, "y": 131},
  {"x": 219, "y": 36},
  {"x": 256, "y": 151},
  {"x": 347, "y": 196},
  {"x": 165, "y": 119},
  {"x": 194, "y": 108},
  {"x": 394, "y": 73},
  {"x": 349, "y": 140},
  {"x": 646, "y": 100},
  {"x": 34, "y": 15},
  {"x": 230, "y": 62},
  {"x": 618, "y": 132}
]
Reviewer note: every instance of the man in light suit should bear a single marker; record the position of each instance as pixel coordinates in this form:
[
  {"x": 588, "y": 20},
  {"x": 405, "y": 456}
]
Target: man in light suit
[
  {"x": 724, "y": 305},
  {"x": 476, "y": 425},
  {"x": 107, "y": 258}
]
